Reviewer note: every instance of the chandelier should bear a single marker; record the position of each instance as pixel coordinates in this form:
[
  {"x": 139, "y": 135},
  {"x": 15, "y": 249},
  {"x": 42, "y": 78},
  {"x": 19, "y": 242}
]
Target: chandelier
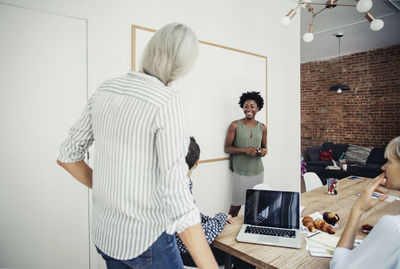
[{"x": 362, "y": 6}]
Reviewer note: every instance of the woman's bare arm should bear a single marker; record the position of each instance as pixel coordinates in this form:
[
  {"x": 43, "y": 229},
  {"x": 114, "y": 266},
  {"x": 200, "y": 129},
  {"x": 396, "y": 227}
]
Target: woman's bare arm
[
  {"x": 195, "y": 241},
  {"x": 79, "y": 170},
  {"x": 364, "y": 203}
]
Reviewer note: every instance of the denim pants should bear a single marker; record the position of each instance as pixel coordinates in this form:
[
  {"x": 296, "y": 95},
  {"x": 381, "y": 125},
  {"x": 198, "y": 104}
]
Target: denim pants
[{"x": 163, "y": 254}]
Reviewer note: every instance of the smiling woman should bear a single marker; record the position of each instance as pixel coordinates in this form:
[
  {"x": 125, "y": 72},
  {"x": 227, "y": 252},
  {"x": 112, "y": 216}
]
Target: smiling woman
[{"x": 246, "y": 144}]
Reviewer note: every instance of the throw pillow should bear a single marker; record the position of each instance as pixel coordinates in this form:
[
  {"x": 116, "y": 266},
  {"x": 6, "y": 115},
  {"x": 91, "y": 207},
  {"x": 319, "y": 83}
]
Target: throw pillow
[
  {"x": 325, "y": 155},
  {"x": 357, "y": 154}
]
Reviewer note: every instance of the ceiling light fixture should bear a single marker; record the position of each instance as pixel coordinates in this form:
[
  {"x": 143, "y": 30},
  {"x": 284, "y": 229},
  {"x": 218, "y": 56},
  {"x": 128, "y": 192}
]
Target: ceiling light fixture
[
  {"x": 339, "y": 88},
  {"x": 362, "y": 6}
]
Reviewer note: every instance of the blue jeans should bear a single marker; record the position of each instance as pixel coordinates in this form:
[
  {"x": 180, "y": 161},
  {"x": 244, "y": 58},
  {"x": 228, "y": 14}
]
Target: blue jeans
[{"x": 163, "y": 254}]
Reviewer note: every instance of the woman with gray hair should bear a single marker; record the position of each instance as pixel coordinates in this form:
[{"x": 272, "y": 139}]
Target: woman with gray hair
[
  {"x": 381, "y": 248},
  {"x": 139, "y": 176}
]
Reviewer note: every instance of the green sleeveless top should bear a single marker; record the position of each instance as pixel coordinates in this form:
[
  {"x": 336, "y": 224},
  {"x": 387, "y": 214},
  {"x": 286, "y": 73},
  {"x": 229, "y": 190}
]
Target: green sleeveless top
[{"x": 245, "y": 137}]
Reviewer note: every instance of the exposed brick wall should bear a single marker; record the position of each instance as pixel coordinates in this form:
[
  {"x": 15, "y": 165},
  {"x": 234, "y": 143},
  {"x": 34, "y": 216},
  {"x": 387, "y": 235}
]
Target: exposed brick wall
[{"x": 367, "y": 115}]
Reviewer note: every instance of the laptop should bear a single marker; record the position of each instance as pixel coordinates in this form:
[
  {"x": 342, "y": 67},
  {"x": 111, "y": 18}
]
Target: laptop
[{"x": 271, "y": 218}]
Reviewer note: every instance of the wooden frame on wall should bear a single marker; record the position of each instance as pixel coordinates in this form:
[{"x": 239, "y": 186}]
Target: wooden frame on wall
[{"x": 133, "y": 64}]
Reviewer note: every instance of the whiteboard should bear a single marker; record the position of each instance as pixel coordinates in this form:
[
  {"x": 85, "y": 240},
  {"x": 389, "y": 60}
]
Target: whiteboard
[{"x": 212, "y": 90}]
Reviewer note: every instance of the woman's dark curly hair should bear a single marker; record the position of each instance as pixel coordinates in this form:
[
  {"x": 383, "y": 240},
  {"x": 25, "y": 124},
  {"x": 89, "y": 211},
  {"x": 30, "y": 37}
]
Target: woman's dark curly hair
[{"x": 252, "y": 96}]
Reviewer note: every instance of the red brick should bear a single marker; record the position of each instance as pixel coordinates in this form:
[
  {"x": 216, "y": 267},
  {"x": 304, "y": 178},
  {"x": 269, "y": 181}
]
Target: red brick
[{"x": 367, "y": 115}]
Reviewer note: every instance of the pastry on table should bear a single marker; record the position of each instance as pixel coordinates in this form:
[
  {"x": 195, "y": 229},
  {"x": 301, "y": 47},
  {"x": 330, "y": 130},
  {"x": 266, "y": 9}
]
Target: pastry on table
[{"x": 308, "y": 222}]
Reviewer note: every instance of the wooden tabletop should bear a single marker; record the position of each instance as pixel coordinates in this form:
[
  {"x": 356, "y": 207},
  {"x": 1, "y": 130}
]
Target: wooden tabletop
[{"x": 263, "y": 256}]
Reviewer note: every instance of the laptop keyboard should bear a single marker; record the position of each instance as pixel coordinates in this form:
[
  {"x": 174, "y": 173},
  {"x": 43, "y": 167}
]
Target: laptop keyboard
[{"x": 269, "y": 231}]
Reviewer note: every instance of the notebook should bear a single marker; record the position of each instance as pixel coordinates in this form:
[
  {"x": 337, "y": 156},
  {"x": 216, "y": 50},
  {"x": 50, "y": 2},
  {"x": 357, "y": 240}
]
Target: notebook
[
  {"x": 325, "y": 239},
  {"x": 271, "y": 218}
]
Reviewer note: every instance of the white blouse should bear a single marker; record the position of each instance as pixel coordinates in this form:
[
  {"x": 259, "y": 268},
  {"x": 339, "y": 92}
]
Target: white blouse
[
  {"x": 139, "y": 169},
  {"x": 380, "y": 249}
]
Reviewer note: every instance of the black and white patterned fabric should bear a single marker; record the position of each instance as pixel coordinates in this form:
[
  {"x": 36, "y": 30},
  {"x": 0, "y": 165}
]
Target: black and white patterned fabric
[
  {"x": 212, "y": 227},
  {"x": 357, "y": 154}
]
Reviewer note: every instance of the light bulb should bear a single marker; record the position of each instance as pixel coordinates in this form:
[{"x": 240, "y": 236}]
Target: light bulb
[
  {"x": 339, "y": 91},
  {"x": 364, "y": 5},
  {"x": 285, "y": 21},
  {"x": 305, "y": 2},
  {"x": 308, "y": 37},
  {"x": 376, "y": 25}
]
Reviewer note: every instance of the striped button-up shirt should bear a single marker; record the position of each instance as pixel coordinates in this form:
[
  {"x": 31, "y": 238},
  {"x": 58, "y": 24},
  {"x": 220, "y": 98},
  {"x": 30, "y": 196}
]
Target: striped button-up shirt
[{"x": 139, "y": 169}]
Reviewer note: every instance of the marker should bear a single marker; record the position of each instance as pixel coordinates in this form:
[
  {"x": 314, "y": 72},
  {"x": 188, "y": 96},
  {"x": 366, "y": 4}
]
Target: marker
[
  {"x": 333, "y": 186},
  {"x": 334, "y": 189}
]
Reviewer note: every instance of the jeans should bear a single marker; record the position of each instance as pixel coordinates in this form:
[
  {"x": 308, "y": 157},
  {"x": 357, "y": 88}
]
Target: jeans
[{"x": 163, "y": 254}]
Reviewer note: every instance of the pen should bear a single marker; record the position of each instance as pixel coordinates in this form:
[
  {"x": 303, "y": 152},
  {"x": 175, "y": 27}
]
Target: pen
[{"x": 313, "y": 235}]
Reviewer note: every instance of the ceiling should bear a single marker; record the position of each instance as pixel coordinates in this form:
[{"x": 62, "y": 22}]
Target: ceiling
[{"x": 357, "y": 34}]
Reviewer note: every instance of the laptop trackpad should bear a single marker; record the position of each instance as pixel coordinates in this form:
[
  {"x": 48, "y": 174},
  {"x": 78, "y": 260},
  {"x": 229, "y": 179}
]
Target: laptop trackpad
[{"x": 271, "y": 239}]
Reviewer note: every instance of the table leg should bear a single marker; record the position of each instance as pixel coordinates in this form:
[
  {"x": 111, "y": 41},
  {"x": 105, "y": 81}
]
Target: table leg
[{"x": 228, "y": 261}]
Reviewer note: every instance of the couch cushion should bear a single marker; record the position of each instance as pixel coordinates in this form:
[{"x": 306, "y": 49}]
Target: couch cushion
[
  {"x": 377, "y": 156},
  {"x": 338, "y": 149},
  {"x": 319, "y": 163},
  {"x": 313, "y": 153},
  {"x": 372, "y": 167},
  {"x": 357, "y": 154}
]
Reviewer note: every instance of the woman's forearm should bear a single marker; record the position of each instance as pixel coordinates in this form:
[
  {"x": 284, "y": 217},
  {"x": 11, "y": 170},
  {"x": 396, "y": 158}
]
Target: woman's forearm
[
  {"x": 350, "y": 231},
  {"x": 195, "y": 241},
  {"x": 79, "y": 170},
  {"x": 364, "y": 203},
  {"x": 234, "y": 150}
]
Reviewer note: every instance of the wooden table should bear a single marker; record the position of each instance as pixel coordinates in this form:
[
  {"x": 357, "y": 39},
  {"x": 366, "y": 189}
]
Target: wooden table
[{"x": 263, "y": 256}]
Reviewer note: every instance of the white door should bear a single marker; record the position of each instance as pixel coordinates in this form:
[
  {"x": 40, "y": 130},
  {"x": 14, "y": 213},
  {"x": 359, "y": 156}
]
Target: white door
[{"x": 43, "y": 78}]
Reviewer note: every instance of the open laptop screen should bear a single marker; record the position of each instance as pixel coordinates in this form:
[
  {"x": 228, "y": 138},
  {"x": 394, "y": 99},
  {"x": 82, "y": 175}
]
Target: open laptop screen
[{"x": 278, "y": 209}]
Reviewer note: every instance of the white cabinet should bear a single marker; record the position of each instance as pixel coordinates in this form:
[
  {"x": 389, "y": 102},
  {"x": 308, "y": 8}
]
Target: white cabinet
[{"x": 43, "y": 88}]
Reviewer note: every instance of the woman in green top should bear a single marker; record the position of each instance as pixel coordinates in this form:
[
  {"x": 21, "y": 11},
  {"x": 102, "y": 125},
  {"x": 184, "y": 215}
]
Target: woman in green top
[{"x": 246, "y": 143}]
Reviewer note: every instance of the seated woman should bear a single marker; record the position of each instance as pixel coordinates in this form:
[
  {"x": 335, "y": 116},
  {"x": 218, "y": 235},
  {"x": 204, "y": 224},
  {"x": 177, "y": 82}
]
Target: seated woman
[
  {"x": 381, "y": 248},
  {"x": 212, "y": 226}
]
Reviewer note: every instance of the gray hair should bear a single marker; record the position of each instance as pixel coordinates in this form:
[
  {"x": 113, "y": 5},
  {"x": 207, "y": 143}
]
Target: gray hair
[
  {"x": 393, "y": 149},
  {"x": 170, "y": 53}
]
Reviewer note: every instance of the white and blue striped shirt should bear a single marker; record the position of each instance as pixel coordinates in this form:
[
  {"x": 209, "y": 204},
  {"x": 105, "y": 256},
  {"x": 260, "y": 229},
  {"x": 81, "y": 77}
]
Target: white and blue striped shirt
[{"x": 139, "y": 169}]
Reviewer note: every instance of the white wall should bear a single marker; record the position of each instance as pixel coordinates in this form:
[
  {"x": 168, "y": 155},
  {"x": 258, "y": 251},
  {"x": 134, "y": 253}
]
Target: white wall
[
  {"x": 44, "y": 214},
  {"x": 252, "y": 26},
  {"x": 248, "y": 25}
]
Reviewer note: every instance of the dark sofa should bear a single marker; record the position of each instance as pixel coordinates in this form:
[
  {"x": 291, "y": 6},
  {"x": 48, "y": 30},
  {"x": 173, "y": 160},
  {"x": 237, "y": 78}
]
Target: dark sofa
[{"x": 371, "y": 167}]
